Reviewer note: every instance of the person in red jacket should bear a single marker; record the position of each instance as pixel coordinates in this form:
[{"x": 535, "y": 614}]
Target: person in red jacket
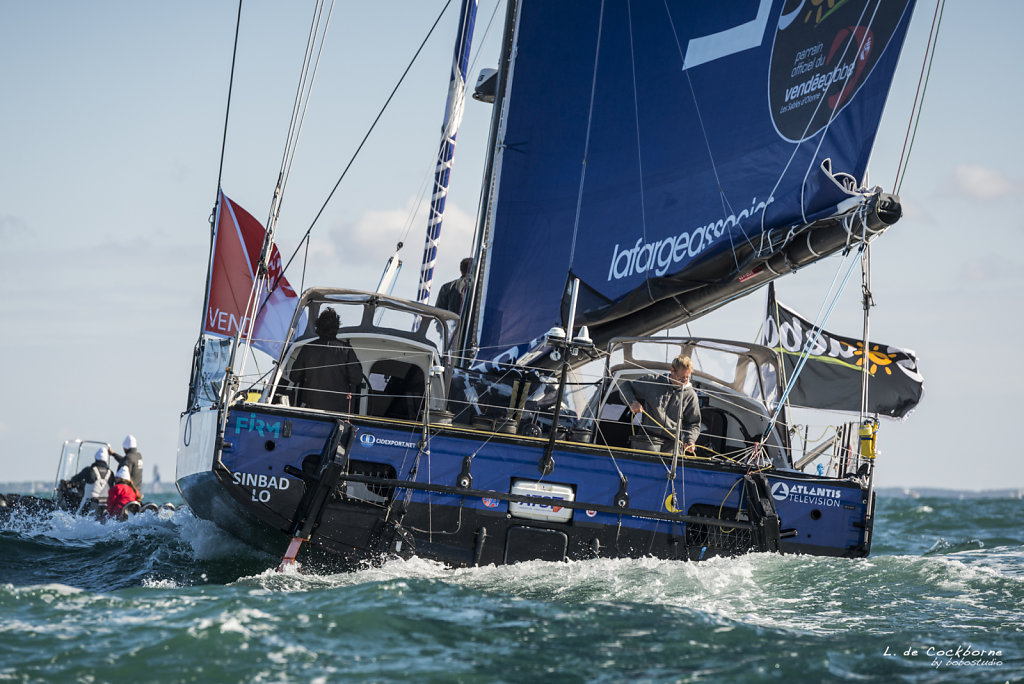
[{"x": 122, "y": 493}]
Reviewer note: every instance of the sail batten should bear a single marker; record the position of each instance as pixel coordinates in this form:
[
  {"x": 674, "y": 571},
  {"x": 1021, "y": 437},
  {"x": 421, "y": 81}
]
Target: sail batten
[{"x": 736, "y": 113}]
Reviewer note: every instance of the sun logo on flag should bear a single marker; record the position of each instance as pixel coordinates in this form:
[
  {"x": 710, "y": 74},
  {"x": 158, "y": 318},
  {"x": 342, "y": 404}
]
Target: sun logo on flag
[
  {"x": 823, "y": 7},
  {"x": 877, "y": 359}
]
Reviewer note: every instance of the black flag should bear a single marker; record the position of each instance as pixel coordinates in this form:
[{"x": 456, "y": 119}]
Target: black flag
[{"x": 831, "y": 378}]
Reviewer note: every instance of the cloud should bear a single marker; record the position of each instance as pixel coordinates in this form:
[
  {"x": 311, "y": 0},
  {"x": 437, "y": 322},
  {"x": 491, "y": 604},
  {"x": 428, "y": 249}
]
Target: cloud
[
  {"x": 984, "y": 183},
  {"x": 353, "y": 253}
]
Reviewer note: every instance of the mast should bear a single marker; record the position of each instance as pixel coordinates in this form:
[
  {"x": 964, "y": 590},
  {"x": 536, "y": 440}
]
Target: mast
[
  {"x": 446, "y": 152},
  {"x": 468, "y": 332}
]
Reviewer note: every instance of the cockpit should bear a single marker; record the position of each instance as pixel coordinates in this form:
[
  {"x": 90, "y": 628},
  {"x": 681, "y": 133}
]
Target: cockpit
[{"x": 378, "y": 361}]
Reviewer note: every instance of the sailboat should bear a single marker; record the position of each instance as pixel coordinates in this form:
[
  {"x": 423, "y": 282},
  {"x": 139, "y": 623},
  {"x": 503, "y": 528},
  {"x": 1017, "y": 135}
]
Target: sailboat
[{"x": 649, "y": 163}]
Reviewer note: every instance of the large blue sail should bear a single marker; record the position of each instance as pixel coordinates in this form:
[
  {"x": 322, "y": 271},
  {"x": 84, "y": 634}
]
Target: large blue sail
[{"x": 655, "y": 149}]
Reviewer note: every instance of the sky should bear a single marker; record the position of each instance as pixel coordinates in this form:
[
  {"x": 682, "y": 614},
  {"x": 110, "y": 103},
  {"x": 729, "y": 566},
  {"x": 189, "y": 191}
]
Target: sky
[{"x": 111, "y": 122}]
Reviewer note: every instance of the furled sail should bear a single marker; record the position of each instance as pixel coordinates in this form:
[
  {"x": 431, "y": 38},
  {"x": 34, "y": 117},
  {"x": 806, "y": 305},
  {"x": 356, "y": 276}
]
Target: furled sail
[{"x": 668, "y": 155}]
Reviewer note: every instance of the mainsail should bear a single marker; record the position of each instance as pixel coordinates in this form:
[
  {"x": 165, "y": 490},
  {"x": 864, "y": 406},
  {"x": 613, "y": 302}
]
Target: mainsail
[{"x": 667, "y": 154}]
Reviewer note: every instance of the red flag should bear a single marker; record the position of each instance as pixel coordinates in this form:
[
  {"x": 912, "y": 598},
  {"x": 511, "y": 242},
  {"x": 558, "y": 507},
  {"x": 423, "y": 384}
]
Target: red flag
[{"x": 236, "y": 251}]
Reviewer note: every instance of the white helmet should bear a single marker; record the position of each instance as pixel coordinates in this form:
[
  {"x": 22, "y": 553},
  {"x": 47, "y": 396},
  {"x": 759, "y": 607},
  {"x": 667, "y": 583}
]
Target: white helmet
[{"x": 129, "y": 442}]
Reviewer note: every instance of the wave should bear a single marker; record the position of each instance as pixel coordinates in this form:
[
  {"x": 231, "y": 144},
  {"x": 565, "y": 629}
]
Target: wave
[
  {"x": 755, "y": 618},
  {"x": 168, "y": 594},
  {"x": 163, "y": 548}
]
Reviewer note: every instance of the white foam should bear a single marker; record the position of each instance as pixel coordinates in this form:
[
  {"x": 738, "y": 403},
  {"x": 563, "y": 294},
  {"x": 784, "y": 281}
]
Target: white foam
[{"x": 205, "y": 540}]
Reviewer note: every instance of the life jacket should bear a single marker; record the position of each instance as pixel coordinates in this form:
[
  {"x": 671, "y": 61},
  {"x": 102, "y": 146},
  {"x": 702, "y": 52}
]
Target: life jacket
[{"x": 98, "y": 488}]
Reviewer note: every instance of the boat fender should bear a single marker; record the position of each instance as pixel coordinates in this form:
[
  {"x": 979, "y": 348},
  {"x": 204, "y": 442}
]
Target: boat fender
[
  {"x": 130, "y": 508},
  {"x": 622, "y": 496},
  {"x": 151, "y": 507},
  {"x": 168, "y": 506}
]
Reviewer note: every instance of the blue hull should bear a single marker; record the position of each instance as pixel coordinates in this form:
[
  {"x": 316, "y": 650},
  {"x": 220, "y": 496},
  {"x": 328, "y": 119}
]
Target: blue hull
[{"x": 395, "y": 497}]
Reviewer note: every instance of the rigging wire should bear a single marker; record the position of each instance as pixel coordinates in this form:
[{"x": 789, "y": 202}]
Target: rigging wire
[
  {"x": 810, "y": 122},
  {"x": 315, "y": 41},
  {"x": 369, "y": 131},
  {"x": 922, "y": 88},
  {"x": 586, "y": 142},
  {"x": 639, "y": 147},
  {"x": 227, "y": 112},
  {"x": 295, "y": 126},
  {"x": 194, "y": 381},
  {"x": 304, "y": 240},
  {"x": 428, "y": 175},
  {"x": 726, "y": 204},
  {"x": 868, "y": 302},
  {"x": 838, "y": 105},
  {"x": 812, "y": 341}
]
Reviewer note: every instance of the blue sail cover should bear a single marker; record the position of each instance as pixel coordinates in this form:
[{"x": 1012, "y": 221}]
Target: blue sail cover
[{"x": 643, "y": 139}]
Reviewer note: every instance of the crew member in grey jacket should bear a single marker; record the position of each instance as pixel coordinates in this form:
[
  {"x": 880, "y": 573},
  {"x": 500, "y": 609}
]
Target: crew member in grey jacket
[
  {"x": 665, "y": 402},
  {"x": 133, "y": 459}
]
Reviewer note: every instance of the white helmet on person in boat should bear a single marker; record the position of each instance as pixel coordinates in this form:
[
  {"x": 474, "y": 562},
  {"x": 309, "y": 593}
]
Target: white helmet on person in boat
[
  {"x": 130, "y": 442},
  {"x": 101, "y": 454},
  {"x": 124, "y": 473}
]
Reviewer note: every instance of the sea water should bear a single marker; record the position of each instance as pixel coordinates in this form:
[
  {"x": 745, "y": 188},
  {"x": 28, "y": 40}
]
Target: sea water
[{"x": 165, "y": 597}]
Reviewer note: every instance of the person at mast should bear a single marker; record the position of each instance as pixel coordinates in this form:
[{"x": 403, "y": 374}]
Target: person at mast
[
  {"x": 96, "y": 478},
  {"x": 666, "y": 402},
  {"x": 326, "y": 371},
  {"x": 452, "y": 294}
]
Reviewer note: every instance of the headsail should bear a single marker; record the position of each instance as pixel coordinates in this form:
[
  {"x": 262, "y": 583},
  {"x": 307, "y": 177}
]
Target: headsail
[
  {"x": 666, "y": 153},
  {"x": 237, "y": 242}
]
